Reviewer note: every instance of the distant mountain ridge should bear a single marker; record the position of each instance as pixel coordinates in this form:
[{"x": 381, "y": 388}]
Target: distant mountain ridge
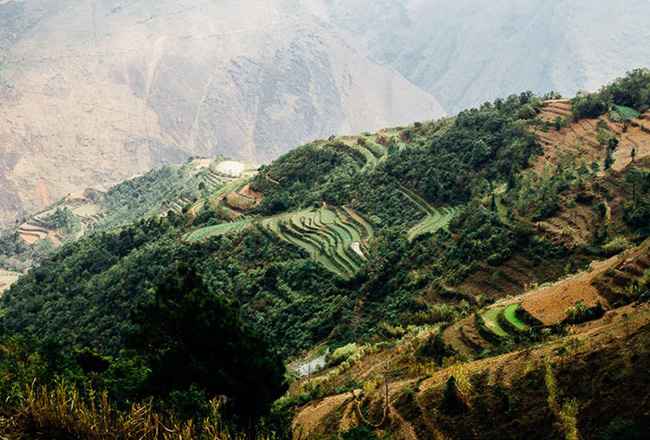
[
  {"x": 466, "y": 52},
  {"x": 92, "y": 92}
]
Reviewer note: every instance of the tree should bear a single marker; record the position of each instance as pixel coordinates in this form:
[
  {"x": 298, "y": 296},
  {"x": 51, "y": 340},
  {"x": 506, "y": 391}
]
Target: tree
[
  {"x": 194, "y": 342},
  {"x": 609, "y": 160},
  {"x": 636, "y": 177},
  {"x": 612, "y": 143}
]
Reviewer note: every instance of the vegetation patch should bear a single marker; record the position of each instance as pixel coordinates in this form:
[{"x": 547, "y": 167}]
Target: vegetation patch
[
  {"x": 221, "y": 229},
  {"x": 625, "y": 113},
  {"x": 511, "y": 316},
  {"x": 491, "y": 318}
]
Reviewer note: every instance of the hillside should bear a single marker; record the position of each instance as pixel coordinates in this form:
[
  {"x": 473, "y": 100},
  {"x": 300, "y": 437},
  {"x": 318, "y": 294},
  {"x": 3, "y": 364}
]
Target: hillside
[
  {"x": 466, "y": 52},
  {"x": 93, "y": 92},
  {"x": 521, "y": 393},
  {"x": 448, "y": 248},
  {"x": 179, "y": 189}
]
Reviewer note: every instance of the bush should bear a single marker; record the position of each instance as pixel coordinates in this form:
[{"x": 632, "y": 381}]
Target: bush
[
  {"x": 344, "y": 353},
  {"x": 581, "y": 313},
  {"x": 616, "y": 246}
]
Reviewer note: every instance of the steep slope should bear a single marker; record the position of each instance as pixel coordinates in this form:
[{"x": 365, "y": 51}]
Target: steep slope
[
  {"x": 580, "y": 383},
  {"x": 92, "y": 92},
  {"x": 467, "y": 52}
]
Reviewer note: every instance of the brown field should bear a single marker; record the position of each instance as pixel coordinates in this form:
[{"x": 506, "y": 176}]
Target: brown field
[
  {"x": 581, "y": 139},
  {"x": 555, "y": 108},
  {"x": 549, "y": 304},
  {"x": 334, "y": 414}
]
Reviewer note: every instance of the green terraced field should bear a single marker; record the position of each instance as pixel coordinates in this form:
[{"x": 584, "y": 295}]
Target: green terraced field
[
  {"x": 435, "y": 218},
  {"x": 221, "y": 229},
  {"x": 510, "y": 314},
  {"x": 327, "y": 234},
  {"x": 626, "y": 112},
  {"x": 377, "y": 149},
  {"x": 368, "y": 154},
  {"x": 492, "y": 322}
]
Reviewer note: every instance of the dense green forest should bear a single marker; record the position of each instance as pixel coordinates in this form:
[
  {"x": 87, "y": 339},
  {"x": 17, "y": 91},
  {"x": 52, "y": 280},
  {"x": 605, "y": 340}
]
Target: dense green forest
[{"x": 141, "y": 311}]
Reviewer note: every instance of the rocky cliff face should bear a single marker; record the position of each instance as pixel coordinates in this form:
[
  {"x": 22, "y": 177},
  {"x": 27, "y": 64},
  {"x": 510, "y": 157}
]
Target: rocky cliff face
[
  {"x": 466, "y": 52},
  {"x": 94, "y": 91}
]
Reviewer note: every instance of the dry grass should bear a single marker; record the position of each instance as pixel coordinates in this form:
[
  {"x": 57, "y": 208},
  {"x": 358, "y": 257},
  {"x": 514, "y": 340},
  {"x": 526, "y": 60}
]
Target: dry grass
[{"x": 64, "y": 412}]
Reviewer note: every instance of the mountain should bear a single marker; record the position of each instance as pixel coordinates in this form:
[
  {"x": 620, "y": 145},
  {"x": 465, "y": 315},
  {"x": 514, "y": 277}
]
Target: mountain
[
  {"x": 93, "y": 92},
  {"x": 452, "y": 278},
  {"x": 466, "y": 52}
]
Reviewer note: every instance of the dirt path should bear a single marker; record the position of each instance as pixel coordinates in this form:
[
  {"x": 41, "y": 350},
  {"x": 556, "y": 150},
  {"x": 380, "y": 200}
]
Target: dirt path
[{"x": 267, "y": 177}]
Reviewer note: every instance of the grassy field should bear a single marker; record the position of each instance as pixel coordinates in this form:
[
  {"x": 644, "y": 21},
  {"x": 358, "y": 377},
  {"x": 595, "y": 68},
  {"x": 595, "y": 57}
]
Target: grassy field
[
  {"x": 491, "y": 318},
  {"x": 510, "y": 314}
]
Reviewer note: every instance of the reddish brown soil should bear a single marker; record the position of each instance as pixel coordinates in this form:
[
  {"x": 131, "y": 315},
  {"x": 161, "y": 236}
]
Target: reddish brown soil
[{"x": 42, "y": 192}]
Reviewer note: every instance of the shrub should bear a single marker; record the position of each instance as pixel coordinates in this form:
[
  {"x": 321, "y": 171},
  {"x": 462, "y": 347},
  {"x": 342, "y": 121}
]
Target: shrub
[
  {"x": 581, "y": 313},
  {"x": 344, "y": 353},
  {"x": 616, "y": 246}
]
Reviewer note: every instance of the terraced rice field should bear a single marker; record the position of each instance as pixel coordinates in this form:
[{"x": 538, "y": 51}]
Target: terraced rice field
[
  {"x": 332, "y": 237},
  {"x": 86, "y": 210},
  {"x": 491, "y": 318},
  {"x": 507, "y": 312},
  {"x": 510, "y": 314},
  {"x": 370, "y": 157},
  {"x": 244, "y": 198},
  {"x": 32, "y": 233},
  {"x": 212, "y": 180},
  {"x": 221, "y": 229},
  {"x": 435, "y": 218},
  {"x": 377, "y": 149},
  {"x": 626, "y": 112}
]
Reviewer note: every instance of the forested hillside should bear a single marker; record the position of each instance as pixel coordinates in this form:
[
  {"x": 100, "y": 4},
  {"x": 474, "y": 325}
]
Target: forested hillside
[
  {"x": 180, "y": 188},
  {"x": 349, "y": 242}
]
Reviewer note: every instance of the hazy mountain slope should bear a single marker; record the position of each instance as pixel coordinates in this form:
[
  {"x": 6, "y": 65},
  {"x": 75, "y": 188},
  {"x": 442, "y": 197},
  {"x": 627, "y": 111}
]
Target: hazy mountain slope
[
  {"x": 468, "y": 51},
  {"x": 93, "y": 91}
]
